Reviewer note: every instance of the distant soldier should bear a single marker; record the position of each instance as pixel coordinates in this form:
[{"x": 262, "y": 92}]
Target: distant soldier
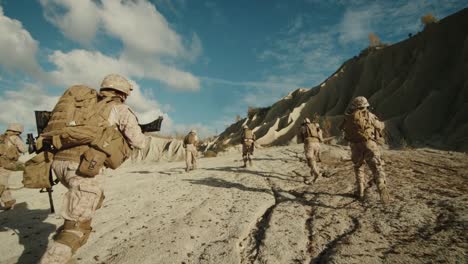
[
  {"x": 11, "y": 146},
  {"x": 363, "y": 129},
  {"x": 248, "y": 145},
  {"x": 86, "y": 193},
  {"x": 190, "y": 142},
  {"x": 311, "y": 135}
]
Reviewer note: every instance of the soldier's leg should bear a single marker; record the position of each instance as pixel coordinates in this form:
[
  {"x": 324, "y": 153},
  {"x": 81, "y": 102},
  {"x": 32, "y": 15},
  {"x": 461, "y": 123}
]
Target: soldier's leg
[
  {"x": 194, "y": 158},
  {"x": 188, "y": 159},
  {"x": 250, "y": 153},
  {"x": 5, "y": 194},
  {"x": 81, "y": 201},
  {"x": 244, "y": 154},
  {"x": 357, "y": 156},
  {"x": 376, "y": 166}
]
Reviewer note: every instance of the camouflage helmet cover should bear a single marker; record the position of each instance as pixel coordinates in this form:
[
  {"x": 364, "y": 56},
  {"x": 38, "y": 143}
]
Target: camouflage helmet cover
[
  {"x": 306, "y": 120},
  {"x": 193, "y": 131},
  {"x": 117, "y": 82},
  {"x": 16, "y": 127},
  {"x": 359, "y": 102},
  {"x": 245, "y": 127}
]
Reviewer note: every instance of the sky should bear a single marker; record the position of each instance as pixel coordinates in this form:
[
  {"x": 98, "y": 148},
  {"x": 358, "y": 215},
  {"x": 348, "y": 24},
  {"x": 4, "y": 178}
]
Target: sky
[{"x": 199, "y": 63}]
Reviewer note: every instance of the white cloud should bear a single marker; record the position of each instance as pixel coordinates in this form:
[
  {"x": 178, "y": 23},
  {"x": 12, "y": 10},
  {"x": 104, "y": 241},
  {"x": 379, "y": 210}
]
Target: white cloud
[
  {"x": 17, "y": 47},
  {"x": 140, "y": 27},
  {"x": 88, "y": 67},
  {"x": 19, "y": 105},
  {"x": 357, "y": 24},
  {"x": 150, "y": 45},
  {"x": 78, "y": 22}
]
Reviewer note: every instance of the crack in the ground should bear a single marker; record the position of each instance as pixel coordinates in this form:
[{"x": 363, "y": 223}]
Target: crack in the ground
[
  {"x": 331, "y": 246},
  {"x": 257, "y": 235}
]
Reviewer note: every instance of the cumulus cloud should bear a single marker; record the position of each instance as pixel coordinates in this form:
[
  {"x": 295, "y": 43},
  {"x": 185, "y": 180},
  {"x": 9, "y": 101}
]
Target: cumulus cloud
[
  {"x": 17, "y": 47},
  {"x": 89, "y": 67},
  {"x": 19, "y": 105},
  {"x": 150, "y": 45},
  {"x": 78, "y": 20},
  {"x": 356, "y": 24}
]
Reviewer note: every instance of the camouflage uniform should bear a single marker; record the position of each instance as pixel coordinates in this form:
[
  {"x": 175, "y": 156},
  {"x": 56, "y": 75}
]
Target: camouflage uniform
[
  {"x": 311, "y": 136},
  {"x": 13, "y": 140},
  {"x": 367, "y": 150},
  {"x": 248, "y": 145},
  {"x": 190, "y": 151},
  {"x": 86, "y": 194}
]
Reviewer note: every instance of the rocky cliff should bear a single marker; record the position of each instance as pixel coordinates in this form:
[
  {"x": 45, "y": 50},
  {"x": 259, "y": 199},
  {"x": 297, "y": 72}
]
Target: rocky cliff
[{"x": 418, "y": 86}]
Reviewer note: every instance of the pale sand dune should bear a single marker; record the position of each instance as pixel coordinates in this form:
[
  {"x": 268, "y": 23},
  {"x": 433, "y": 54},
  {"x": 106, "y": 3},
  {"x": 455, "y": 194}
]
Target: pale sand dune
[{"x": 221, "y": 213}]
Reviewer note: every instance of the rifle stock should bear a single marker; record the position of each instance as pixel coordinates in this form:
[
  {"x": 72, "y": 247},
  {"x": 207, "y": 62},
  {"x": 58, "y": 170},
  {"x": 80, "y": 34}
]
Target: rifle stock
[{"x": 152, "y": 126}]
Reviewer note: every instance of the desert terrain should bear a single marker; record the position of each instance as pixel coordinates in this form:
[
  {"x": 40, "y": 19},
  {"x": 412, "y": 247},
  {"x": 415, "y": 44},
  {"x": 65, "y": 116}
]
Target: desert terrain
[{"x": 154, "y": 212}]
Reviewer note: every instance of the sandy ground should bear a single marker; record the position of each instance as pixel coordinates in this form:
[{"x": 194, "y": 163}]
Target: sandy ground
[{"x": 221, "y": 213}]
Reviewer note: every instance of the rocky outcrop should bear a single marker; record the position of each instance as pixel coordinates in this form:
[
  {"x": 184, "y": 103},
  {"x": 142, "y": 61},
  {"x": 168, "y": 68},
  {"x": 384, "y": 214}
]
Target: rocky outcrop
[
  {"x": 418, "y": 86},
  {"x": 159, "y": 149}
]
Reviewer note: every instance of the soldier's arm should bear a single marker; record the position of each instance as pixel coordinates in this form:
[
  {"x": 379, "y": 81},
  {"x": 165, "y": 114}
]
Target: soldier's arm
[
  {"x": 379, "y": 125},
  {"x": 320, "y": 134},
  {"x": 128, "y": 125},
  {"x": 16, "y": 140}
]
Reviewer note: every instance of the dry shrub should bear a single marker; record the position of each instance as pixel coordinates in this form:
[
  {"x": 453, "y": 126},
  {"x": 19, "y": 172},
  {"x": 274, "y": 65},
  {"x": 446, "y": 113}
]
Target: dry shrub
[
  {"x": 210, "y": 154},
  {"x": 374, "y": 40},
  {"x": 428, "y": 19}
]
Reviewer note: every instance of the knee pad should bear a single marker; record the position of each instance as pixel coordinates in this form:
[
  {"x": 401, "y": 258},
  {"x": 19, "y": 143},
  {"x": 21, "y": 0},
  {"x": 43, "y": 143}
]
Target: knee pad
[{"x": 71, "y": 239}]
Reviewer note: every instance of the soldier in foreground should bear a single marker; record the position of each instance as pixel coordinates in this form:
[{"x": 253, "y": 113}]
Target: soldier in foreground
[
  {"x": 11, "y": 146},
  {"x": 363, "y": 130},
  {"x": 311, "y": 135},
  {"x": 86, "y": 194},
  {"x": 248, "y": 145},
  {"x": 190, "y": 142}
]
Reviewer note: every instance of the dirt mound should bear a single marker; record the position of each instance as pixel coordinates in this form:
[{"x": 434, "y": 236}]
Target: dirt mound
[
  {"x": 158, "y": 149},
  {"x": 419, "y": 87}
]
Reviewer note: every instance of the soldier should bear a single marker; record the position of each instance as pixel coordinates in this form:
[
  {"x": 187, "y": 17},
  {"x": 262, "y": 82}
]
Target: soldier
[
  {"x": 11, "y": 146},
  {"x": 190, "y": 142},
  {"x": 248, "y": 145},
  {"x": 363, "y": 129},
  {"x": 85, "y": 194},
  {"x": 311, "y": 135}
]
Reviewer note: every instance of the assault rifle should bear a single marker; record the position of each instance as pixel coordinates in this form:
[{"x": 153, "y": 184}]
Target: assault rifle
[
  {"x": 42, "y": 119},
  {"x": 152, "y": 126}
]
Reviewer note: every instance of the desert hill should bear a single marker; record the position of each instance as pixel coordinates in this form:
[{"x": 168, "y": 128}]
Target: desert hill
[{"x": 418, "y": 86}]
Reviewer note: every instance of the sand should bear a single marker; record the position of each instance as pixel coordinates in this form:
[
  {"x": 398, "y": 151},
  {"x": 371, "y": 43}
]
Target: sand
[{"x": 221, "y": 213}]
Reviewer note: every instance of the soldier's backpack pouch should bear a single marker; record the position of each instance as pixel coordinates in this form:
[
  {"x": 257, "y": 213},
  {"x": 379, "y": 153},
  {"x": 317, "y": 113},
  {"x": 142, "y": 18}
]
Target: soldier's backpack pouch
[
  {"x": 36, "y": 173},
  {"x": 91, "y": 162}
]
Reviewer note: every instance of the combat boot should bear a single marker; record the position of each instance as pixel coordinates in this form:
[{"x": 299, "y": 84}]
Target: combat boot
[
  {"x": 9, "y": 204},
  {"x": 384, "y": 196}
]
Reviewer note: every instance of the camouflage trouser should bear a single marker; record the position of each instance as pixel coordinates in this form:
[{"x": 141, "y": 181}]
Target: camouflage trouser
[
  {"x": 247, "y": 151},
  {"x": 83, "y": 198},
  {"x": 190, "y": 157},
  {"x": 368, "y": 152},
  {"x": 5, "y": 194},
  {"x": 312, "y": 152}
]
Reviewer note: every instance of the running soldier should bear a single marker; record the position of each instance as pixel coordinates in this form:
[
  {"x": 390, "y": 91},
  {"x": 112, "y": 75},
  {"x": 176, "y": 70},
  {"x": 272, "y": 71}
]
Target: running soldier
[
  {"x": 311, "y": 135},
  {"x": 190, "y": 142},
  {"x": 248, "y": 145}
]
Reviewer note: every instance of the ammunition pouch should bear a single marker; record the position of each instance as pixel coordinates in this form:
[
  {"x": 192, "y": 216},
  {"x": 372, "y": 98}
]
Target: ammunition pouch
[
  {"x": 36, "y": 173},
  {"x": 92, "y": 161},
  {"x": 72, "y": 239}
]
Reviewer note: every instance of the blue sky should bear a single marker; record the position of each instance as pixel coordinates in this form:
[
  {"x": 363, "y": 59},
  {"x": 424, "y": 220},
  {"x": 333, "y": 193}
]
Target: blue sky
[{"x": 199, "y": 63}]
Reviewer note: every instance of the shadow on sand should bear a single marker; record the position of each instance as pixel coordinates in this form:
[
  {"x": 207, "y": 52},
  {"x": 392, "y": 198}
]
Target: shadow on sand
[{"x": 33, "y": 233}]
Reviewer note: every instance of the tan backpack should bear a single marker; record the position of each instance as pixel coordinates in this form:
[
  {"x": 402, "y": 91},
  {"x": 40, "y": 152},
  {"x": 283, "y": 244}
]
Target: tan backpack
[
  {"x": 312, "y": 131},
  {"x": 357, "y": 127},
  {"x": 189, "y": 139},
  {"x": 79, "y": 131},
  {"x": 248, "y": 134},
  {"x": 8, "y": 153}
]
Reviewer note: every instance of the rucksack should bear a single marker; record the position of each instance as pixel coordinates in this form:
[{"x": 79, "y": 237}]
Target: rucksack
[
  {"x": 8, "y": 153},
  {"x": 357, "y": 127},
  {"x": 189, "y": 139},
  {"x": 79, "y": 131},
  {"x": 248, "y": 134},
  {"x": 311, "y": 130}
]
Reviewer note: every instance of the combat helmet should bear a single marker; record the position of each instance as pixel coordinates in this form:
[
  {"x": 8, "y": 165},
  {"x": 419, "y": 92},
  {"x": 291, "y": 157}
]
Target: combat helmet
[
  {"x": 245, "y": 127},
  {"x": 193, "y": 131},
  {"x": 16, "y": 127},
  {"x": 117, "y": 82},
  {"x": 306, "y": 120},
  {"x": 359, "y": 102}
]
